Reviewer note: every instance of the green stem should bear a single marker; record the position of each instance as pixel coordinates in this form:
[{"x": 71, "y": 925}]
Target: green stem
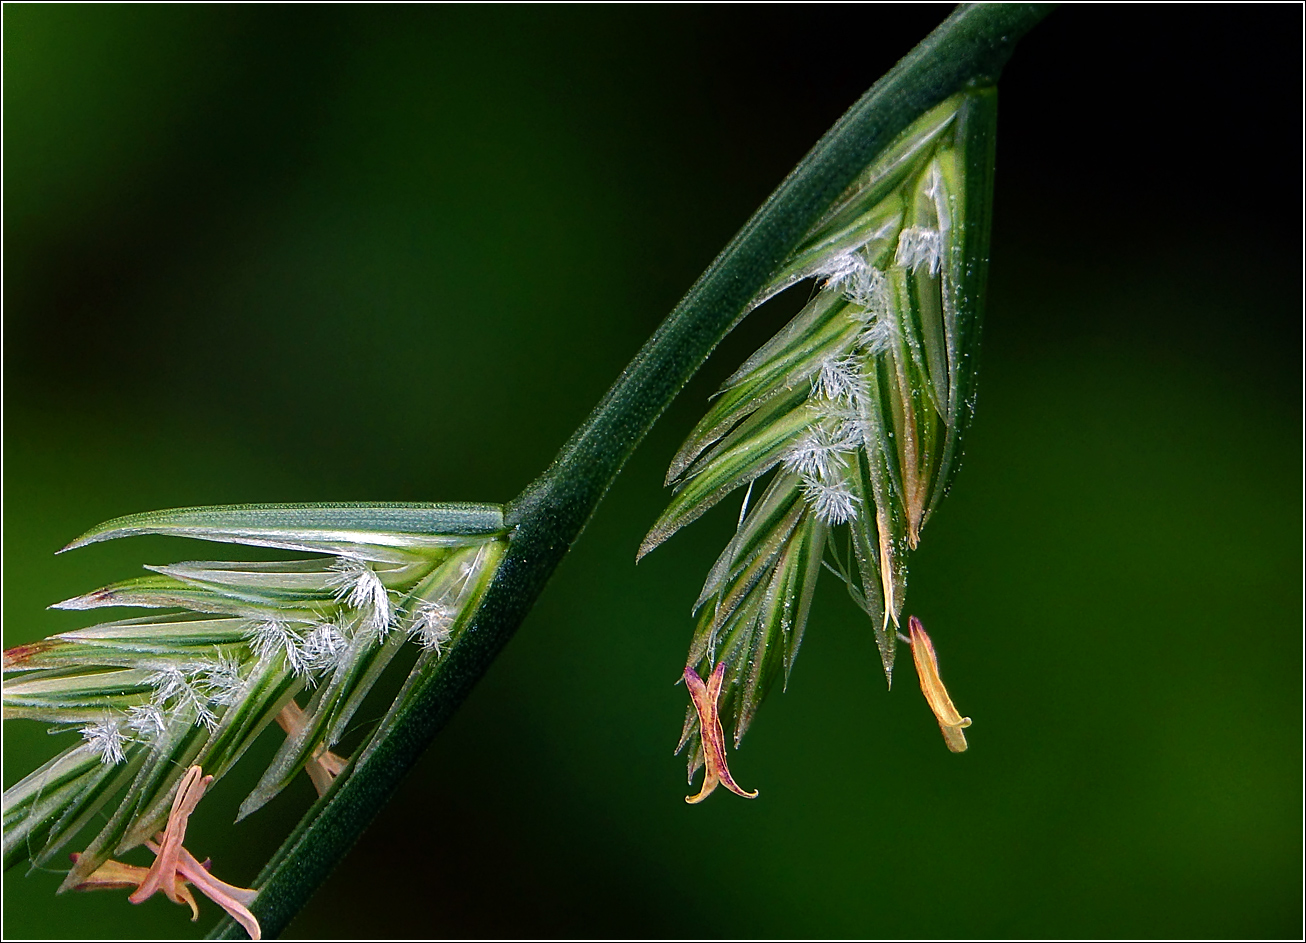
[{"x": 969, "y": 49}]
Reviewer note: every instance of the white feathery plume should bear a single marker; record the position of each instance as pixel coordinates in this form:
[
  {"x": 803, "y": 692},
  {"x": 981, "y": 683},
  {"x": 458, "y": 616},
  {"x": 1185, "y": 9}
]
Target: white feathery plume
[
  {"x": 817, "y": 454},
  {"x": 838, "y": 379},
  {"x": 918, "y": 246},
  {"x": 871, "y": 293},
  {"x": 324, "y": 646},
  {"x": 360, "y": 588},
  {"x": 222, "y": 679},
  {"x": 850, "y": 433},
  {"x": 432, "y": 624},
  {"x": 271, "y": 637},
  {"x": 146, "y": 720},
  {"x": 106, "y": 740},
  {"x": 879, "y": 335},
  {"x": 175, "y": 688},
  {"x": 840, "y": 270},
  {"x": 831, "y": 500},
  {"x": 868, "y": 290}
]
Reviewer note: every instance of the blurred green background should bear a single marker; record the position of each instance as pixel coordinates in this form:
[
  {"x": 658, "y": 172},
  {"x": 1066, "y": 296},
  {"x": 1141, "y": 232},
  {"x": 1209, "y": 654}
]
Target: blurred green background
[{"x": 292, "y": 254}]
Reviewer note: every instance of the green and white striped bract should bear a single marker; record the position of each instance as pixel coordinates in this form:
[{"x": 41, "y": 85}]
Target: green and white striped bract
[
  {"x": 858, "y": 407},
  {"x": 236, "y": 644}
]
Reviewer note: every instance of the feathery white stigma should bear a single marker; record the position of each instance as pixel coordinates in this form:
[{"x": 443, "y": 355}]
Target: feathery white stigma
[
  {"x": 868, "y": 290},
  {"x": 849, "y": 434},
  {"x": 432, "y": 625},
  {"x": 840, "y": 270},
  {"x": 272, "y": 637},
  {"x": 324, "y": 646},
  {"x": 175, "y": 688},
  {"x": 879, "y": 335},
  {"x": 106, "y": 740},
  {"x": 830, "y": 500},
  {"x": 838, "y": 379},
  {"x": 918, "y": 246},
  {"x": 870, "y": 293},
  {"x": 816, "y": 454},
  {"x": 360, "y": 588},
  {"x": 222, "y": 679},
  {"x": 146, "y": 720}
]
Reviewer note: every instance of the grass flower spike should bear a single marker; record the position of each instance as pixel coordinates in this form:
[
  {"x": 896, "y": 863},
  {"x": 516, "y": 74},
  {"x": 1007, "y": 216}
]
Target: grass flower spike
[
  {"x": 236, "y": 645},
  {"x": 857, "y": 409},
  {"x": 843, "y": 431}
]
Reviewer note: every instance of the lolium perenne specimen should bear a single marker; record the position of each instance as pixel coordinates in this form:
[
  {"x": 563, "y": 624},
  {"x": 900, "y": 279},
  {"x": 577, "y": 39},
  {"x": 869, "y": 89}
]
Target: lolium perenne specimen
[
  {"x": 241, "y": 644},
  {"x": 857, "y": 409}
]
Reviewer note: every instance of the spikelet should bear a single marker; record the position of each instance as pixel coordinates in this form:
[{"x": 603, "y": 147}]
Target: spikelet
[
  {"x": 857, "y": 409},
  {"x": 195, "y": 686}
]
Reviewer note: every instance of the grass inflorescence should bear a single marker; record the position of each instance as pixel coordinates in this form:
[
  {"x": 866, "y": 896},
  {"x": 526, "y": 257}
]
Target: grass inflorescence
[
  {"x": 857, "y": 409},
  {"x": 235, "y": 647}
]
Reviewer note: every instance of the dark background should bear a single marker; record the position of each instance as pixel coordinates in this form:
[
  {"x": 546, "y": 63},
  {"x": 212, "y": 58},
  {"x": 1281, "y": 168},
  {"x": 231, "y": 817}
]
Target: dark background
[{"x": 290, "y": 254}]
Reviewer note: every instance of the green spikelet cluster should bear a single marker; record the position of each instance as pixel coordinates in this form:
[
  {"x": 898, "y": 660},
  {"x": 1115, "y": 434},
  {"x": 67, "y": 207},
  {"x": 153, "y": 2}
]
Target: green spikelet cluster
[
  {"x": 234, "y": 645},
  {"x": 858, "y": 407}
]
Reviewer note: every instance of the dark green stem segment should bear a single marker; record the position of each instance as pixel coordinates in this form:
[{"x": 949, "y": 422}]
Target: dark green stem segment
[{"x": 968, "y": 50}]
